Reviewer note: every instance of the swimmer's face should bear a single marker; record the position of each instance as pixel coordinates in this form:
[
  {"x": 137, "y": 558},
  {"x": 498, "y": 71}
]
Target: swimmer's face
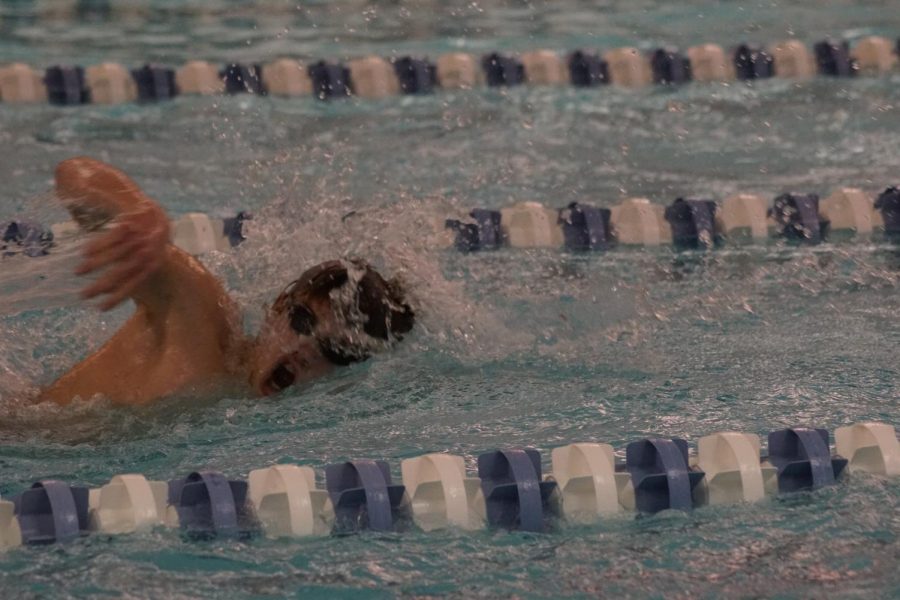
[{"x": 285, "y": 357}]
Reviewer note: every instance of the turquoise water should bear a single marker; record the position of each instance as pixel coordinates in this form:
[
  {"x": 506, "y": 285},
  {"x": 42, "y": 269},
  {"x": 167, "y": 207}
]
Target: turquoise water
[{"x": 514, "y": 348}]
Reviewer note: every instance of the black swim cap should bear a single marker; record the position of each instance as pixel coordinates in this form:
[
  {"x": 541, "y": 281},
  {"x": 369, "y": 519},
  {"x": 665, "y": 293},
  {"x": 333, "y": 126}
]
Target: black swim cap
[{"x": 371, "y": 311}]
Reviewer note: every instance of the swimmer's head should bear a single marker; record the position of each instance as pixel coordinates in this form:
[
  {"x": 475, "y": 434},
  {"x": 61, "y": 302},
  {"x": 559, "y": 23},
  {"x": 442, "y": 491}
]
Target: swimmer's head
[{"x": 335, "y": 314}]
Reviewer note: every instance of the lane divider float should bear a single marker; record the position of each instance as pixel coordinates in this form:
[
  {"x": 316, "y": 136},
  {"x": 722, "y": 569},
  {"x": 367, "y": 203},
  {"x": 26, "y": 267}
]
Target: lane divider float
[
  {"x": 585, "y": 485},
  {"x": 688, "y": 223},
  {"x": 377, "y": 77}
]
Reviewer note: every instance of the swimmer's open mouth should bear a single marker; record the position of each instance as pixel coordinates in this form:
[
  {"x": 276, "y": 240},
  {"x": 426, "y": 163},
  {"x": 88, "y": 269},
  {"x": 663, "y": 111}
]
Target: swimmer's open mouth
[{"x": 282, "y": 377}]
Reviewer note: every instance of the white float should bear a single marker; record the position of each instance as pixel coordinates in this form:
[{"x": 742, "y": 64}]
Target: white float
[
  {"x": 19, "y": 83},
  {"x": 531, "y": 225},
  {"x": 639, "y": 221},
  {"x": 10, "y": 533},
  {"x": 286, "y": 77},
  {"x": 458, "y": 71},
  {"x": 545, "y": 67},
  {"x": 110, "y": 83},
  {"x": 849, "y": 208},
  {"x": 734, "y": 474},
  {"x": 628, "y": 67},
  {"x": 870, "y": 447},
  {"x": 373, "y": 77},
  {"x": 710, "y": 63},
  {"x": 199, "y": 77},
  {"x": 196, "y": 233},
  {"x": 745, "y": 212},
  {"x": 440, "y": 493},
  {"x": 587, "y": 481},
  {"x": 793, "y": 60},
  {"x": 127, "y": 503},
  {"x": 287, "y": 502},
  {"x": 875, "y": 54}
]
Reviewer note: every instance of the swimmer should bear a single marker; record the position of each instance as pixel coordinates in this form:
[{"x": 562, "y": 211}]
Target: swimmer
[{"x": 186, "y": 336}]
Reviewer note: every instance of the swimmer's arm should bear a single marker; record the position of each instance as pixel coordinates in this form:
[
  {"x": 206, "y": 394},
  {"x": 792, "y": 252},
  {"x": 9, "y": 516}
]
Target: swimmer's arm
[{"x": 134, "y": 249}]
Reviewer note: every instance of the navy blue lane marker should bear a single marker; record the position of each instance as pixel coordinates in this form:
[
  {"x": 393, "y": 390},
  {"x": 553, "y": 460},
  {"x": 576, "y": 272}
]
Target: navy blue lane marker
[
  {"x": 490, "y": 235},
  {"x": 66, "y": 86},
  {"x": 484, "y": 234},
  {"x": 797, "y": 218},
  {"x": 888, "y": 203},
  {"x": 155, "y": 83},
  {"x": 802, "y": 458},
  {"x": 514, "y": 494},
  {"x": 241, "y": 79},
  {"x": 416, "y": 76},
  {"x": 670, "y": 66},
  {"x": 209, "y": 504},
  {"x": 233, "y": 228},
  {"x": 692, "y": 222},
  {"x": 500, "y": 70},
  {"x": 330, "y": 80},
  {"x": 30, "y": 238},
  {"x": 833, "y": 59},
  {"x": 585, "y": 227},
  {"x": 52, "y": 511},
  {"x": 587, "y": 70},
  {"x": 751, "y": 62},
  {"x": 660, "y": 474},
  {"x": 364, "y": 496}
]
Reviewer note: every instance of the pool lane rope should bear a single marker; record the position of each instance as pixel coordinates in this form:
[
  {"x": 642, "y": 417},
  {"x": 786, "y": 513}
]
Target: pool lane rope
[
  {"x": 686, "y": 223},
  {"x": 376, "y": 77},
  {"x": 585, "y": 484}
]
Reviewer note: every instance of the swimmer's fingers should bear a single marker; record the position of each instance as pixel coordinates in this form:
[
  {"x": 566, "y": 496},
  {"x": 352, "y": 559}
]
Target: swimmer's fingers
[
  {"x": 145, "y": 231},
  {"x": 119, "y": 284},
  {"x": 110, "y": 248},
  {"x": 123, "y": 292}
]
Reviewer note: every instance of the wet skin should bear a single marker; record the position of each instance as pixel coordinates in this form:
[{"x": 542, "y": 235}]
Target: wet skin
[{"x": 185, "y": 336}]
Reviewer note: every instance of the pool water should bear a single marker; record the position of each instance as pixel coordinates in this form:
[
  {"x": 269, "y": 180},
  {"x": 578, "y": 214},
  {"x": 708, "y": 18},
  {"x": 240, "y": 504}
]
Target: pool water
[{"x": 513, "y": 348}]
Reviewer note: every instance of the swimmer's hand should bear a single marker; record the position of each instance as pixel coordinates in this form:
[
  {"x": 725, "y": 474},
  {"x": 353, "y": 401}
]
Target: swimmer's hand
[
  {"x": 133, "y": 247},
  {"x": 130, "y": 252}
]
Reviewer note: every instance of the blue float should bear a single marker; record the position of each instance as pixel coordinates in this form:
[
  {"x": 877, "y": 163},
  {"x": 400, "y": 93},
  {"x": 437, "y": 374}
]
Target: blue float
[
  {"x": 240, "y": 79},
  {"x": 587, "y": 70},
  {"x": 660, "y": 474},
  {"x": 670, "y": 66},
  {"x": 416, "y": 75},
  {"x": 693, "y": 222},
  {"x": 888, "y": 203},
  {"x": 484, "y": 234},
  {"x": 233, "y": 228},
  {"x": 514, "y": 495},
  {"x": 834, "y": 59},
  {"x": 803, "y": 459},
  {"x": 208, "y": 504},
  {"x": 751, "y": 62},
  {"x": 585, "y": 227},
  {"x": 330, "y": 80},
  {"x": 32, "y": 239},
  {"x": 364, "y": 496},
  {"x": 797, "y": 218},
  {"x": 66, "y": 86},
  {"x": 154, "y": 83},
  {"x": 500, "y": 70},
  {"x": 52, "y": 511}
]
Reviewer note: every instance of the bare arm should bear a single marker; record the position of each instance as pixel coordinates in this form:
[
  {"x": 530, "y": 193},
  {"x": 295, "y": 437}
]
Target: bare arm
[{"x": 184, "y": 320}]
